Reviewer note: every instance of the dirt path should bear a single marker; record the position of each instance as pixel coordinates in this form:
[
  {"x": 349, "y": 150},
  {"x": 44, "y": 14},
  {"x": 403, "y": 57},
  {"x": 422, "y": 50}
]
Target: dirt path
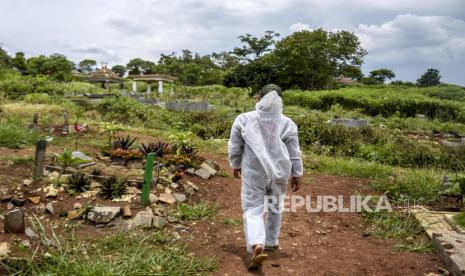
[{"x": 311, "y": 243}]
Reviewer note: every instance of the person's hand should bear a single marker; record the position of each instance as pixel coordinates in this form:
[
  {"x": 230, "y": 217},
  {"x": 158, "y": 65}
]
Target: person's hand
[
  {"x": 237, "y": 173},
  {"x": 295, "y": 183}
]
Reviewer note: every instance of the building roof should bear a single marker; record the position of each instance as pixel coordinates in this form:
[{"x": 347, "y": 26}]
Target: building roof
[
  {"x": 153, "y": 77},
  {"x": 104, "y": 75},
  {"x": 344, "y": 80}
]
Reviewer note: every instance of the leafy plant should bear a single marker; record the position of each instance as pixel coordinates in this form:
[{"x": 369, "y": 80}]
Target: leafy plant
[
  {"x": 157, "y": 148},
  {"x": 121, "y": 142},
  {"x": 125, "y": 154},
  {"x": 183, "y": 143},
  {"x": 455, "y": 188},
  {"x": 79, "y": 182},
  {"x": 113, "y": 187},
  {"x": 110, "y": 128},
  {"x": 66, "y": 160},
  {"x": 196, "y": 212}
]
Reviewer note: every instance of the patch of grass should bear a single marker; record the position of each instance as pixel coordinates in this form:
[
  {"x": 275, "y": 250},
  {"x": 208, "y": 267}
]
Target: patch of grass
[
  {"x": 416, "y": 246},
  {"x": 459, "y": 219},
  {"x": 232, "y": 222},
  {"x": 119, "y": 254},
  {"x": 195, "y": 212},
  {"x": 14, "y": 134},
  {"x": 392, "y": 225},
  {"x": 19, "y": 160}
]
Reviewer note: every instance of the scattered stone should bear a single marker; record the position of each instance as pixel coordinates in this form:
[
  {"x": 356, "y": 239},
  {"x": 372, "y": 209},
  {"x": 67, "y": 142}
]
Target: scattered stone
[
  {"x": 49, "y": 208},
  {"x": 159, "y": 222},
  {"x": 167, "y": 190},
  {"x": 179, "y": 197},
  {"x": 195, "y": 187},
  {"x": 213, "y": 164},
  {"x": 75, "y": 214},
  {"x": 143, "y": 219},
  {"x": 14, "y": 222},
  {"x": 202, "y": 173},
  {"x": 34, "y": 199},
  {"x": 133, "y": 190},
  {"x": 95, "y": 185},
  {"x": 51, "y": 191},
  {"x": 135, "y": 164},
  {"x": 4, "y": 249},
  {"x": 40, "y": 208},
  {"x": 5, "y": 198},
  {"x": 77, "y": 205},
  {"x": 153, "y": 198},
  {"x": 190, "y": 171},
  {"x": 172, "y": 219},
  {"x": 26, "y": 243},
  {"x": 208, "y": 168},
  {"x": 167, "y": 198},
  {"x": 18, "y": 202},
  {"x": 158, "y": 210},
  {"x": 10, "y": 206},
  {"x": 127, "y": 211},
  {"x": 31, "y": 234},
  {"x": 103, "y": 214},
  {"x": 27, "y": 182},
  {"x": 174, "y": 185}
]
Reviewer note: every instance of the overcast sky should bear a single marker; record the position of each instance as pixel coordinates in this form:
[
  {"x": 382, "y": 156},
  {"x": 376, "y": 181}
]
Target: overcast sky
[{"x": 407, "y": 36}]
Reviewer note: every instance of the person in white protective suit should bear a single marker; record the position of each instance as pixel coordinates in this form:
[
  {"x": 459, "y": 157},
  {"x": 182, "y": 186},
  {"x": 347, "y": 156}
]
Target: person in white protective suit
[{"x": 264, "y": 151}]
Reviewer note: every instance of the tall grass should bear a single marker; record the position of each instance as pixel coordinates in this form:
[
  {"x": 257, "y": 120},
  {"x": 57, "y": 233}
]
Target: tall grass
[{"x": 14, "y": 133}]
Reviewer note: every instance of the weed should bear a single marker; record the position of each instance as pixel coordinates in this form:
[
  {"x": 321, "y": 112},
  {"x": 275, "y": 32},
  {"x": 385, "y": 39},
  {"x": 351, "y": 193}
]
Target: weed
[
  {"x": 113, "y": 187},
  {"x": 232, "y": 222},
  {"x": 393, "y": 225},
  {"x": 158, "y": 148},
  {"x": 66, "y": 160},
  {"x": 459, "y": 219},
  {"x": 416, "y": 246},
  {"x": 195, "y": 212},
  {"x": 124, "y": 143},
  {"x": 78, "y": 182}
]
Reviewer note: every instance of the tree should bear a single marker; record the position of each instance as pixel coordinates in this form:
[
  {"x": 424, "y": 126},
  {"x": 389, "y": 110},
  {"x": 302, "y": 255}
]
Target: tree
[
  {"x": 139, "y": 66},
  {"x": 86, "y": 65},
  {"x": 254, "y": 46},
  {"x": 380, "y": 75},
  {"x": 19, "y": 62},
  {"x": 120, "y": 70},
  {"x": 56, "y": 66},
  {"x": 430, "y": 78},
  {"x": 5, "y": 59},
  {"x": 311, "y": 59}
]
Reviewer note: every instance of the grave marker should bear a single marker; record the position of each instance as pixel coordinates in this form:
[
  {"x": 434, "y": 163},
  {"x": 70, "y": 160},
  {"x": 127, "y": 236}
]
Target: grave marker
[
  {"x": 39, "y": 159},
  {"x": 148, "y": 175},
  {"x": 65, "y": 123}
]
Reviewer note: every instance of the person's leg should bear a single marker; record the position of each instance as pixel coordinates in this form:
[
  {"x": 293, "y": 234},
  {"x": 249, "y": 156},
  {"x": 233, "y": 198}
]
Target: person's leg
[
  {"x": 254, "y": 227},
  {"x": 273, "y": 217}
]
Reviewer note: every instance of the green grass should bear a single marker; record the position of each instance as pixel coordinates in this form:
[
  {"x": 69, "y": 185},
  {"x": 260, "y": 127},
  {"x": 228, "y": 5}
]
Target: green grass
[
  {"x": 195, "y": 212},
  {"x": 421, "y": 185},
  {"x": 416, "y": 246},
  {"x": 119, "y": 254},
  {"x": 232, "y": 222},
  {"x": 459, "y": 219},
  {"x": 15, "y": 134},
  {"x": 392, "y": 225}
]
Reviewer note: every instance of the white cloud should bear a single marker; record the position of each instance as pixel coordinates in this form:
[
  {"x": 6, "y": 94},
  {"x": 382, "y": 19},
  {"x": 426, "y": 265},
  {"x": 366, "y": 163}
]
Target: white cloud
[{"x": 297, "y": 27}]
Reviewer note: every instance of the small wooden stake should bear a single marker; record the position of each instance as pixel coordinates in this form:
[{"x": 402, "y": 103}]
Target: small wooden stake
[
  {"x": 39, "y": 159},
  {"x": 65, "y": 123},
  {"x": 148, "y": 174}
]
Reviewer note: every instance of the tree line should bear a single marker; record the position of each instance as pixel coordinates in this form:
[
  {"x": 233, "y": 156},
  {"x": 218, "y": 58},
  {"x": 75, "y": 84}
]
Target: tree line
[{"x": 308, "y": 60}]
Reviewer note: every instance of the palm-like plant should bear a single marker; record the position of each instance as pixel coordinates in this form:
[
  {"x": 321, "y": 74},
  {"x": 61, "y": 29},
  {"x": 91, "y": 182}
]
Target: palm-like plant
[
  {"x": 158, "y": 148},
  {"x": 66, "y": 160},
  {"x": 122, "y": 142}
]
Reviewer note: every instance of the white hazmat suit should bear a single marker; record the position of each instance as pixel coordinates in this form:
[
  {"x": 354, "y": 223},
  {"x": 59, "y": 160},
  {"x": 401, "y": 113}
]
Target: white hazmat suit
[{"x": 265, "y": 145}]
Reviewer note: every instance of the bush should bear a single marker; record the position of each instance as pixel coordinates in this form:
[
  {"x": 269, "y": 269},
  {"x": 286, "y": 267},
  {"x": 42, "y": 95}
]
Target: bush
[
  {"x": 14, "y": 134},
  {"x": 38, "y": 98}
]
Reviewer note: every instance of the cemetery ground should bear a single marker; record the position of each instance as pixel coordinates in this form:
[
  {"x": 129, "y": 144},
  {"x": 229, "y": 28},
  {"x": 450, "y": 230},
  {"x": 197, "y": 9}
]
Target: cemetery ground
[{"x": 194, "y": 221}]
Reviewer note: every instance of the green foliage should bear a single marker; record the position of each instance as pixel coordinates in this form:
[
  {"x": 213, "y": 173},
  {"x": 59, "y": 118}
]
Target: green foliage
[
  {"x": 138, "y": 66},
  {"x": 459, "y": 219},
  {"x": 310, "y": 59},
  {"x": 123, "y": 142},
  {"x": 15, "y": 134},
  {"x": 183, "y": 143},
  {"x": 255, "y": 46},
  {"x": 430, "y": 78},
  {"x": 122, "y": 253},
  {"x": 57, "y": 66},
  {"x": 86, "y": 65},
  {"x": 5, "y": 59},
  {"x": 120, "y": 70},
  {"x": 381, "y": 100},
  {"x": 38, "y": 98},
  {"x": 78, "y": 182},
  {"x": 393, "y": 225},
  {"x": 455, "y": 188},
  {"x": 157, "y": 148},
  {"x": 380, "y": 75},
  {"x": 110, "y": 128},
  {"x": 113, "y": 187},
  {"x": 66, "y": 160},
  {"x": 195, "y": 212}
]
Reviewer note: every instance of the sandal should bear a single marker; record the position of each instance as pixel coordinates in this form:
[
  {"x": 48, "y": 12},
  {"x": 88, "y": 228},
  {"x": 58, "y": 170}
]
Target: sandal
[{"x": 258, "y": 258}]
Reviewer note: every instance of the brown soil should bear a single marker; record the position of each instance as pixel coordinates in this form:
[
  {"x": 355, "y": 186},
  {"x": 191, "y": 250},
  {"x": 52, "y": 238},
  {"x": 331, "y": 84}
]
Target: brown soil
[
  {"x": 343, "y": 249},
  {"x": 311, "y": 243}
]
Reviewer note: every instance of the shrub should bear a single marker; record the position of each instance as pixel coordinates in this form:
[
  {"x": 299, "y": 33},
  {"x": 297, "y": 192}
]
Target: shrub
[
  {"x": 14, "y": 134},
  {"x": 113, "y": 187},
  {"x": 38, "y": 98},
  {"x": 78, "y": 182}
]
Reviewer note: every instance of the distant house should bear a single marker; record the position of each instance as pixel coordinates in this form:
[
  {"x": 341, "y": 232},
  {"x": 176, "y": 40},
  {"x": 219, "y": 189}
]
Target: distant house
[{"x": 344, "y": 80}]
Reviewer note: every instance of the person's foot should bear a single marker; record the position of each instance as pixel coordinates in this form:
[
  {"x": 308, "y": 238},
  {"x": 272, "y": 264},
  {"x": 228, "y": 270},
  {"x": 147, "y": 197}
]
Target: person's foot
[
  {"x": 258, "y": 257},
  {"x": 271, "y": 248}
]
